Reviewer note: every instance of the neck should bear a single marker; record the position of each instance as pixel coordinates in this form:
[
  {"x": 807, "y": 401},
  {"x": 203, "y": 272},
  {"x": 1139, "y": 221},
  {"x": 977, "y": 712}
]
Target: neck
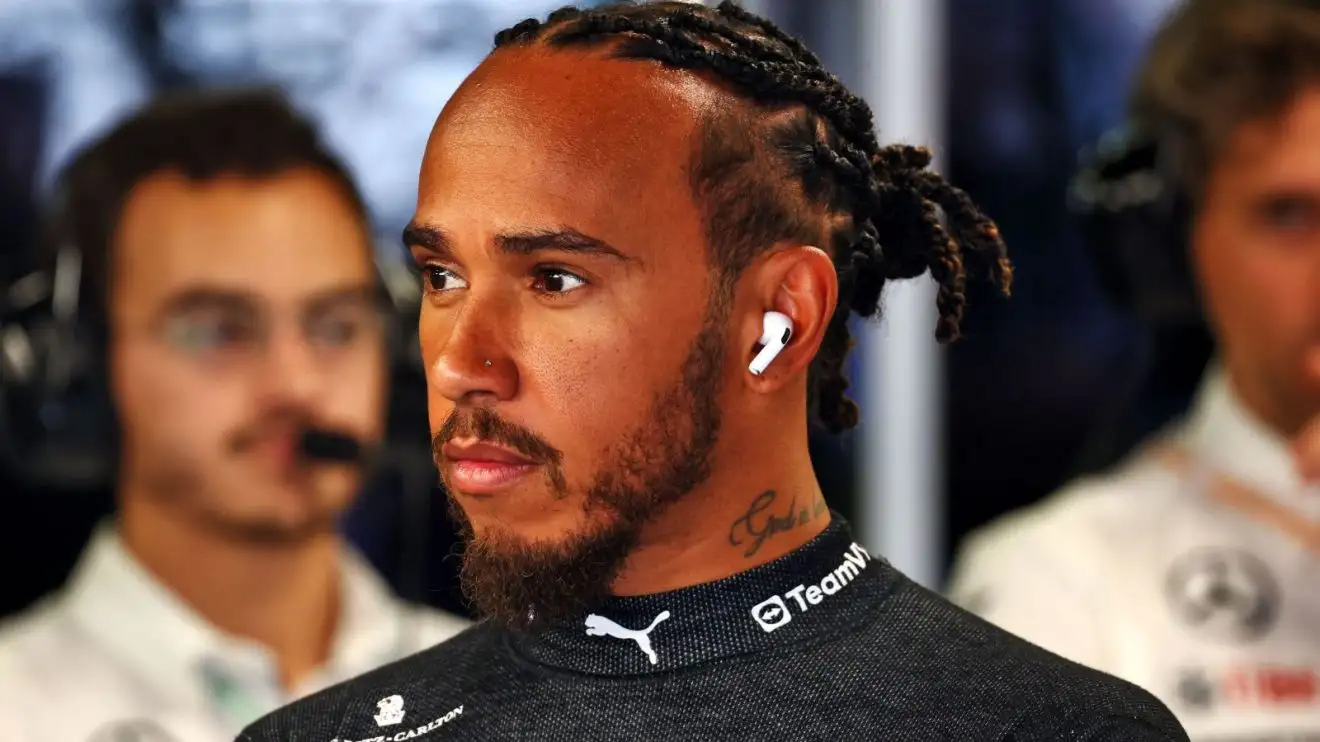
[
  {"x": 1284, "y": 419},
  {"x": 740, "y": 518},
  {"x": 282, "y": 596}
]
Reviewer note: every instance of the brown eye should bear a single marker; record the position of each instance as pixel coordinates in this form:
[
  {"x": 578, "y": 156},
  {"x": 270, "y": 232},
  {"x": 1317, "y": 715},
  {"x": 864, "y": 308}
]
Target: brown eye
[
  {"x": 557, "y": 281},
  {"x": 436, "y": 279}
]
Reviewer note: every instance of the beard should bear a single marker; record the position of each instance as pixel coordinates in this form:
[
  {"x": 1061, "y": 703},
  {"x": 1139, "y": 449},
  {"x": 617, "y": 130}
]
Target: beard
[
  {"x": 528, "y": 586},
  {"x": 179, "y": 485}
]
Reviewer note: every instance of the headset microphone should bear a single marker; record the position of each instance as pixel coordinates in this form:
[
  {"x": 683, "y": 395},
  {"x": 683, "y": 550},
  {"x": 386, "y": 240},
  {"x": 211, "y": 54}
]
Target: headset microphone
[
  {"x": 777, "y": 330},
  {"x": 329, "y": 446}
]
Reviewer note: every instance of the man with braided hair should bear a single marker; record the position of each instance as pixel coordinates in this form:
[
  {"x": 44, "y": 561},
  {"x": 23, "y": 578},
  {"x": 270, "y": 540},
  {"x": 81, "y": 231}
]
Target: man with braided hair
[{"x": 608, "y": 208}]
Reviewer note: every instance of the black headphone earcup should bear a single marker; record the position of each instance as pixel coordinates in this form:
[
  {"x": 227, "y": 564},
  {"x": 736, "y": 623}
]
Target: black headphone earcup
[
  {"x": 1135, "y": 225},
  {"x": 57, "y": 426},
  {"x": 57, "y": 423}
]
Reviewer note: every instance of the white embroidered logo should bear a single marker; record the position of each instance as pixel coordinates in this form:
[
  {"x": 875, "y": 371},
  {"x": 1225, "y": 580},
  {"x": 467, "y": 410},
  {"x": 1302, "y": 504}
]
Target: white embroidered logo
[
  {"x": 774, "y": 612},
  {"x": 394, "y": 705},
  {"x": 391, "y": 711},
  {"x": 601, "y": 626}
]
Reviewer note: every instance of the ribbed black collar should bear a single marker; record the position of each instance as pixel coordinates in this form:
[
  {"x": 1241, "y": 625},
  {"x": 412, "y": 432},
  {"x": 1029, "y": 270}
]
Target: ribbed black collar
[{"x": 829, "y": 584}]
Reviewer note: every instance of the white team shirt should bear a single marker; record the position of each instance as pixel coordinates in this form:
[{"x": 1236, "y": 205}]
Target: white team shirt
[
  {"x": 1192, "y": 569},
  {"x": 117, "y": 657}
]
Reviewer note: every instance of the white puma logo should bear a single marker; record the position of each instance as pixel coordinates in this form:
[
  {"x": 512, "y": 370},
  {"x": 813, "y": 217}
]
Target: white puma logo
[{"x": 601, "y": 626}]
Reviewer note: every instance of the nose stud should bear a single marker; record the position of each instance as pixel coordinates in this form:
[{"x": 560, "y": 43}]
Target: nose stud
[{"x": 487, "y": 362}]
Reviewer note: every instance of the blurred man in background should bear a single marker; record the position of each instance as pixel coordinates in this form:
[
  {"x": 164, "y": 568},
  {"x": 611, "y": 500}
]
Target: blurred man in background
[
  {"x": 1191, "y": 568},
  {"x": 228, "y": 274}
]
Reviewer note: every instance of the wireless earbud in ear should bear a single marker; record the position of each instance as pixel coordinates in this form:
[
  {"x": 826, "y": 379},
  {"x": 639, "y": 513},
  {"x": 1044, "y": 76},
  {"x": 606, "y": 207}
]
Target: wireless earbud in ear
[{"x": 776, "y": 331}]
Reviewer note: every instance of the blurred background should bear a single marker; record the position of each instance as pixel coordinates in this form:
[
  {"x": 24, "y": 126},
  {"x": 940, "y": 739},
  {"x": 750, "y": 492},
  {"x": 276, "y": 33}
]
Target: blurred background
[{"x": 1009, "y": 92}]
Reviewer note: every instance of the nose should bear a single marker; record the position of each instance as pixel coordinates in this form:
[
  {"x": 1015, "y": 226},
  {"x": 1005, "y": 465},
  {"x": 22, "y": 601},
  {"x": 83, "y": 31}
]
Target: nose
[
  {"x": 291, "y": 374},
  {"x": 471, "y": 366}
]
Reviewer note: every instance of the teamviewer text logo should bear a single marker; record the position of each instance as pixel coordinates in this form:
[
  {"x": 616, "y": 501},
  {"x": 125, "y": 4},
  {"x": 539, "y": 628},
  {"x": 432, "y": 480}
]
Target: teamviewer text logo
[{"x": 774, "y": 612}]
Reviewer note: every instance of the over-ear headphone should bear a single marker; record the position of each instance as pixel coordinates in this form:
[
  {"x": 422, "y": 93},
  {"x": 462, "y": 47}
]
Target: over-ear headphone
[
  {"x": 776, "y": 331},
  {"x": 57, "y": 425},
  {"x": 1135, "y": 218}
]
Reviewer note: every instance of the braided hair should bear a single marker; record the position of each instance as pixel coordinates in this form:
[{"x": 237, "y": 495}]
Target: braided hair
[{"x": 804, "y": 147}]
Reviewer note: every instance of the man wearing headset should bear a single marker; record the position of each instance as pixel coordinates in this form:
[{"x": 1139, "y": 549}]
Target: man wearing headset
[
  {"x": 227, "y": 266},
  {"x": 641, "y": 233},
  {"x": 1191, "y": 567}
]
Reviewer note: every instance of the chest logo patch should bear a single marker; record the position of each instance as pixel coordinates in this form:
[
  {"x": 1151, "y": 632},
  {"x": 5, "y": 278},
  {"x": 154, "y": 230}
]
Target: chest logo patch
[
  {"x": 1225, "y": 594},
  {"x": 389, "y": 711},
  {"x": 601, "y": 626},
  {"x": 394, "y": 704}
]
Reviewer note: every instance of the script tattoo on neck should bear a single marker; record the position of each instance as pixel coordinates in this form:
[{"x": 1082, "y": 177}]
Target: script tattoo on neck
[{"x": 758, "y": 524}]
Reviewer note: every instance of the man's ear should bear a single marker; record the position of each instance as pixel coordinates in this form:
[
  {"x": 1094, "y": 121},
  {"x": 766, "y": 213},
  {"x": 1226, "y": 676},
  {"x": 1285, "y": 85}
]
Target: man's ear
[{"x": 801, "y": 283}]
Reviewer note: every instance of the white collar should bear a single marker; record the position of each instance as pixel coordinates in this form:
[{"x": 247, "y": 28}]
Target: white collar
[
  {"x": 1228, "y": 437},
  {"x": 153, "y": 634}
]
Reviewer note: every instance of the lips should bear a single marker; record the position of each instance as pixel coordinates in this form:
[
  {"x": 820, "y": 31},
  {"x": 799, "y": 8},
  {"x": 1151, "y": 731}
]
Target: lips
[
  {"x": 484, "y": 453},
  {"x": 483, "y": 468},
  {"x": 278, "y": 448}
]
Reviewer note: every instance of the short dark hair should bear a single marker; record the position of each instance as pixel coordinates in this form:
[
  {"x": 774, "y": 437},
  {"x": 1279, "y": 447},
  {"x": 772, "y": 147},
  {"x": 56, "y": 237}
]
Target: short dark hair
[
  {"x": 252, "y": 133},
  {"x": 802, "y": 154},
  {"x": 1217, "y": 64}
]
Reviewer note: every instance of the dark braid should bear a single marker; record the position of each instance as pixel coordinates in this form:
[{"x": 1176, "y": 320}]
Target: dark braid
[{"x": 811, "y": 155}]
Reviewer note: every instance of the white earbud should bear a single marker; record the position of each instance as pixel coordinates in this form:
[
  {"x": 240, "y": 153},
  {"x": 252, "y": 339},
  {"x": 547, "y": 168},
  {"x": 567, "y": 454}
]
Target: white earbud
[{"x": 776, "y": 331}]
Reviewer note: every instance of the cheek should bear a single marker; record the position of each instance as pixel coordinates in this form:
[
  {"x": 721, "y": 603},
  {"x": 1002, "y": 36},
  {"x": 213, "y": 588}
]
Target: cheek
[
  {"x": 1281, "y": 290},
  {"x": 161, "y": 404},
  {"x": 590, "y": 382},
  {"x": 587, "y": 376},
  {"x": 1260, "y": 293}
]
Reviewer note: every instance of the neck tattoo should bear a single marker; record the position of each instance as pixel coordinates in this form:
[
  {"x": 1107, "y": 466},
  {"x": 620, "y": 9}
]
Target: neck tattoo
[{"x": 752, "y": 529}]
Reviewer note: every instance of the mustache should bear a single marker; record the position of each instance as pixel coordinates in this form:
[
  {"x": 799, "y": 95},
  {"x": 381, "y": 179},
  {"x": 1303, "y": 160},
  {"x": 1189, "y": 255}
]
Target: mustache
[
  {"x": 484, "y": 425},
  {"x": 286, "y": 420}
]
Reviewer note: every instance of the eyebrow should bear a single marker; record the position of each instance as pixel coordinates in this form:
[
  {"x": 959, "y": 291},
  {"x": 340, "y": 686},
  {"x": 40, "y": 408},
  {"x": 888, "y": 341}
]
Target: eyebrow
[
  {"x": 518, "y": 243},
  {"x": 195, "y": 298}
]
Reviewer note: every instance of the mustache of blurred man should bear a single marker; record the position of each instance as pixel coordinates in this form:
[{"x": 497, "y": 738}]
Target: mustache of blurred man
[
  {"x": 278, "y": 432},
  {"x": 656, "y": 464}
]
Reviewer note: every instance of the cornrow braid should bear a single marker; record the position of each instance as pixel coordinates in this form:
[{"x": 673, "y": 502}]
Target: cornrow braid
[{"x": 812, "y": 158}]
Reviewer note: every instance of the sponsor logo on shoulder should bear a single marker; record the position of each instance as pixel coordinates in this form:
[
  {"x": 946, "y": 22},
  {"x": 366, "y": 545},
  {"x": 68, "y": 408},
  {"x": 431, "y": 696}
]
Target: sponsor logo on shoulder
[
  {"x": 775, "y": 612},
  {"x": 390, "y": 712}
]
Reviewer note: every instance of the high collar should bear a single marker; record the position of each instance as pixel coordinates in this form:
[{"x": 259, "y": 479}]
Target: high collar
[
  {"x": 827, "y": 585},
  {"x": 148, "y": 629},
  {"x": 1230, "y": 439}
]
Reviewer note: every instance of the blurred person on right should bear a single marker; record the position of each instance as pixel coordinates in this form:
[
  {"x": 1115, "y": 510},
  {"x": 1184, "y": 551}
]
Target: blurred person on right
[{"x": 1191, "y": 567}]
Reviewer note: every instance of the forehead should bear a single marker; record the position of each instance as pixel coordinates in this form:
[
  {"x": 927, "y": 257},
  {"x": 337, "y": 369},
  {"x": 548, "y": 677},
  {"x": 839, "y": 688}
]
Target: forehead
[
  {"x": 1279, "y": 151},
  {"x": 539, "y": 137},
  {"x": 283, "y": 236}
]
